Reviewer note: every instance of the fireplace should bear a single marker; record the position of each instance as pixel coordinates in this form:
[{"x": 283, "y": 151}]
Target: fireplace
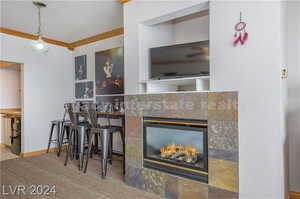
[{"x": 176, "y": 146}]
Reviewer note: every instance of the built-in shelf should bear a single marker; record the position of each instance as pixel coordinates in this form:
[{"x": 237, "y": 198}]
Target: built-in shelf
[
  {"x": 176, "y": 85},
  {"x": 183, "y": 79},
  {"x": 185, "y": 26}
]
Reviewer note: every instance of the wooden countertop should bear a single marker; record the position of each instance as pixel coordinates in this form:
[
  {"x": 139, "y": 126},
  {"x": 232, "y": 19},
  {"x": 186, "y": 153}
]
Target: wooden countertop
[
  {"x": 11, "y": 113},
  {"x": 112, "y": 113}
]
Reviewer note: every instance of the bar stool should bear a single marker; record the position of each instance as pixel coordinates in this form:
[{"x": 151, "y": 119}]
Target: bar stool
[
  {"x": 59, "y": 125},
  {"x": 64, "y": 135},
  {"x": 104, "y": 132},
  {"x": 54, "y": 124},
  {"x": 116, "y": 129},
  {"x": 77, "y": 137}
]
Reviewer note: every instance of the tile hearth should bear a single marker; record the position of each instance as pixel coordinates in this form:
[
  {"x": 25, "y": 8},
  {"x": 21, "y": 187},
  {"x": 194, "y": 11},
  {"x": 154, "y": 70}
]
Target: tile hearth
[{"x": 219, "y": 109}]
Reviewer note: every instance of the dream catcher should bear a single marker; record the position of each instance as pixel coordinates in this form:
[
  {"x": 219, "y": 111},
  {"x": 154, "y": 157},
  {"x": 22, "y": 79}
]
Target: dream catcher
[{"x": 240, "y": 34}]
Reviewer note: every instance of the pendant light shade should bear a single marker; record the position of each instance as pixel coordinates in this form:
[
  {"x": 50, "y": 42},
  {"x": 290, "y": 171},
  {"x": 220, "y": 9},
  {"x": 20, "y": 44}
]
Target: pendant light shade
[{"x": 39, "y": 45}]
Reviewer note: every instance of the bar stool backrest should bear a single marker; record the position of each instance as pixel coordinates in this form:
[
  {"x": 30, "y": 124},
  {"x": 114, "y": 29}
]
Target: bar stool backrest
[
  {"x": 90, "y": 110},
  {"x": 65, "y": 113},
  {"x": 70, "y": 107}
]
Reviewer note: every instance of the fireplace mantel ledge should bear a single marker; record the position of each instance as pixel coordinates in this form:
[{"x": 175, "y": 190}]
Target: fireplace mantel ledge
[{"x": 161, "y": 93}]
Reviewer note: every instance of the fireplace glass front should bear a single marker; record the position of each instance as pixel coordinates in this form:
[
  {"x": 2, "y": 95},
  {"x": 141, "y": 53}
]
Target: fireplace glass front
[{"x": 176, "y": 146}]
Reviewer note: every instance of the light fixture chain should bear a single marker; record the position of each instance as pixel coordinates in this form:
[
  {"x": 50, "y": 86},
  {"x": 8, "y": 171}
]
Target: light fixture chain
[
  {"x": 40, "y": 23},
  {"x": 39, "y": 45}
]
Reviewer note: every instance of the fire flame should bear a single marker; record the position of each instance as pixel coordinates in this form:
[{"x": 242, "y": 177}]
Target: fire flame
[{"x": 173, "y": 148}]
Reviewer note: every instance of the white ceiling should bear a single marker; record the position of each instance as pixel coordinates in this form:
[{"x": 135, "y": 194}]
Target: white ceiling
[{"x": 67, "y": 20}]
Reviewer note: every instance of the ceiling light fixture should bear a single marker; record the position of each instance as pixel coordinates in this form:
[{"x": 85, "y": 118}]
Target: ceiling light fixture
[{"x": 39, "y": 45}]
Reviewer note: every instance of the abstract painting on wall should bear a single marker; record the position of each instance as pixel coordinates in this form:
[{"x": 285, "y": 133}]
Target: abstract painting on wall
[
  {"x": 109, "y": 71},
  {"x": 84, "y": 90},
  {"x": 80, "y": 67}
]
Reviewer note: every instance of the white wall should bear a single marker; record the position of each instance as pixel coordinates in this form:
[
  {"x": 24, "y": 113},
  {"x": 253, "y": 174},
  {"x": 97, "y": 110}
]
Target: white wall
[
  {"x": 10, "y": 85},
  {"x": 196, "y": 29},
  {"x": 48, "y": 83},
  {"x": 293, "y": 114},
  {"x": 253, "y": 70},
  {"x": 151, "y": 36}
]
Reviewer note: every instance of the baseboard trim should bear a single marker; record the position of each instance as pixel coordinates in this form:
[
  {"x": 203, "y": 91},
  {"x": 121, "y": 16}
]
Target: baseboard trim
[
  {"x": 40, "y": 152},
  {"x": 116, "y": 154},
  {"x": 294, "y": 195}
]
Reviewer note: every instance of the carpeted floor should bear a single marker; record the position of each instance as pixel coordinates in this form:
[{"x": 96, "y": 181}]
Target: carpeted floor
[{"x": 69, "y": 182}]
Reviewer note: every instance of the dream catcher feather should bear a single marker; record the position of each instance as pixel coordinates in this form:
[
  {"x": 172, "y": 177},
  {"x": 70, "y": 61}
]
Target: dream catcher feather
[{"x": 241, "y": 35}]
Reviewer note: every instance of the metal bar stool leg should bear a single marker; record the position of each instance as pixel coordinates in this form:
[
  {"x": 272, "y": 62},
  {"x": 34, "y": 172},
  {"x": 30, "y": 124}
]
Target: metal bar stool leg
[
  {"x": 58, "y": 132},
  {"x": 62, "y": 136},
  {"x": 50, "y": 137},
  {"x": 88, "y": 153},
  {"x": 65, "y": 131},
  {"x": 96, "y": 144},
  {"x": 123, "y": 145},
  {"x": 81, "y": 136},
  {"x": 68, "y": 132},
  {"x": 70, "y": 146},
  {"x": 105, "y": 134},
  {"x": 110, "y": 148},
  {"x": 93, "y": 147},
  {"x": 75, "y": 145}
]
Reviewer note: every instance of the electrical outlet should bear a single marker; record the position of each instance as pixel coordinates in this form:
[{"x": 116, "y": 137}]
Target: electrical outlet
[{"x": 284, "y": 73}]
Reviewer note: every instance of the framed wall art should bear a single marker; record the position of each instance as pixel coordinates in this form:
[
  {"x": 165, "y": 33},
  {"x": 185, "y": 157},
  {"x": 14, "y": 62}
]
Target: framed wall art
[
  {"x": 109, "y": 71},
  {"x": 80, "y": 68},
  {"x": 84, "y": 90}
]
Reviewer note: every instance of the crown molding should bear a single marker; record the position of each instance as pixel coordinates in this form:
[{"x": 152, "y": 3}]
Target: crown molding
[
  {"x": 33, "y": 37},
  {"x": 101, "y": 36},
  {"x": 70, "y": 46},
  {"x": 124, "y": 1}
]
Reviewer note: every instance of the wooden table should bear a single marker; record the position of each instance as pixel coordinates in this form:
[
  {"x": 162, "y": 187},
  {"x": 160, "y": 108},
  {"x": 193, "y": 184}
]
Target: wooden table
[{"x": 11, "y": 113}]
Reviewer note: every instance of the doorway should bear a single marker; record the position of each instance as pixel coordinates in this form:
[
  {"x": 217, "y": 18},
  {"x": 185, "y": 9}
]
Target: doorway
[{"x": 11, "y": 92}]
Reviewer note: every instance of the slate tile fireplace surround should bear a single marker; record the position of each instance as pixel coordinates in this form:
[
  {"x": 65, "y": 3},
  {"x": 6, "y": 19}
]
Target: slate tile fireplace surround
[{"x": 183, "y": 145}]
